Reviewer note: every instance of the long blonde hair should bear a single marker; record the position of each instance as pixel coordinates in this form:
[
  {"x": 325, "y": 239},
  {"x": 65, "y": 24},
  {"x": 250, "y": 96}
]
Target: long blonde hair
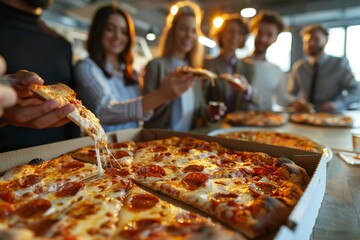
[{"x": 166, "y": 46}]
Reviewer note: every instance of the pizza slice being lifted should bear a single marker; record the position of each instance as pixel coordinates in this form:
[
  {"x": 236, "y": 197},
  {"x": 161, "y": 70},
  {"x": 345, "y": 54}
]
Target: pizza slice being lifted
[
  {"x": 199, "y": 72},
  {"x": 236, "y": 80},
  {"x": 82, "y": 116}
]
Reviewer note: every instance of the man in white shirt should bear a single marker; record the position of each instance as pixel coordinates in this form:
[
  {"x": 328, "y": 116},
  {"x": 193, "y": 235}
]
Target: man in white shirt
[
  {"x": 268, "y": 81},
  {"x": 324, "y": 80}
]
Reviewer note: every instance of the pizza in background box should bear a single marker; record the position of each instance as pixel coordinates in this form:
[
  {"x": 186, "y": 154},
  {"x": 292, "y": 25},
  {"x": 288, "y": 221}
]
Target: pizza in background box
[
  {"x": 275, "y": 138},
  {"x": 252, "y": 192},
  {"x": 322, "y": 119},
  {"x": 257, "y": 118}
]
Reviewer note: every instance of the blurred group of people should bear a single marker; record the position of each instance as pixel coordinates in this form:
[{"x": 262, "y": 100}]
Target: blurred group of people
[{"x": 160, "y": 97}]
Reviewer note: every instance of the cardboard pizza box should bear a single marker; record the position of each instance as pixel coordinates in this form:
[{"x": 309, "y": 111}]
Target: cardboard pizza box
[{"x": 301, "y": 219}]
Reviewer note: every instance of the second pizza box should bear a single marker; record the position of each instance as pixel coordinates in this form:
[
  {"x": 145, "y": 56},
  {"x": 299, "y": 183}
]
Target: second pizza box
[{"x": 301, "y": 219}]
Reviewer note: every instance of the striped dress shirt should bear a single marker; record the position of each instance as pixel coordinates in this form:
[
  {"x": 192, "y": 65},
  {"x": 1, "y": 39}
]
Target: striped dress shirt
[{"x": 118, "y": 106}]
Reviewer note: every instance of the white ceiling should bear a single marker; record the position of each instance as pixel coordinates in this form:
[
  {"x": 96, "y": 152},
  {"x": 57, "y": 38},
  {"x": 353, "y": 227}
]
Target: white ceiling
[{"x": 151, "y": 13}]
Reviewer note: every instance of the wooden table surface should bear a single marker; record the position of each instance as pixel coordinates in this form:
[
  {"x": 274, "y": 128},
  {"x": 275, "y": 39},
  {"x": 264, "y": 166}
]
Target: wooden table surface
[{"x": 339, "y": 214}]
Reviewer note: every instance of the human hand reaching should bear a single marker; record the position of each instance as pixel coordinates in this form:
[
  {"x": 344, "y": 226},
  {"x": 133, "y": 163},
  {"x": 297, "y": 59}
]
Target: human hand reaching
[
  {"x": 30, "y": 110},
  {"x": 237, "y": 81},
  {"x": 174, "y": 85}
]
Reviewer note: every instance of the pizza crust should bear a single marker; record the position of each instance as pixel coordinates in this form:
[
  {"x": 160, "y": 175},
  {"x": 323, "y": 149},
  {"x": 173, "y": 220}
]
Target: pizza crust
[
  {"x": 200, "y": 72},
  {"x": 82, "y": 117}
]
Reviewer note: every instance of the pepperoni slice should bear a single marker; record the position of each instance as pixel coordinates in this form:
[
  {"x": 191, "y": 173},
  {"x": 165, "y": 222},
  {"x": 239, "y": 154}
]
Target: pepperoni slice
[
  {"x": 7, "y": 196},
  {"x": 262, "y": 188},
  {"x": 226, "y": 162},
  {"x": 29, "y": 180},
  {"x": 69, "y": 189},
  {"x": 33, "y": 208},
  {"x": 189, "y": 218},
  {"x": 118, "y": 145},
  {"x": 261, "y": 171},
  {"x": 120, "y": 154},
  {"x": 91, "y": 152},
  {"x": 72, "y": 166},
  {"x": 151, "y": 171},
  {"x": 161, "y": 155},
  {"x": 195, "y": 180},
  {"x": 143, "y": 201},
  {"x": 123, "y": 172},
  {"x": 6, "y": 210},
  {"x": 158, "y": 148},
  {"x": 185, "y": 150},
  {"x": 193, "y": 168},
  {"x": 141, "y": 145}
]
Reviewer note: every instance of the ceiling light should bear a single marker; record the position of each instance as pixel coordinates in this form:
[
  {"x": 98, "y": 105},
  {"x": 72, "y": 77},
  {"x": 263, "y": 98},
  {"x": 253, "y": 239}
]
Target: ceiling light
[
  {"x": 150, "y": 36},
  {"x": 248, "y": 12},
  {"x": 174, "y": 9},
  {"x": 218, "y": 21}
]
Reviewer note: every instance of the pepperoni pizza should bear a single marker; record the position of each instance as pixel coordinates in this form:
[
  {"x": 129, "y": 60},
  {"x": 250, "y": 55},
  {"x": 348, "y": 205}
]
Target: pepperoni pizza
[
  {"x": 322, "y": 119},
  {"x": 257, "y": 118},
  {"x": 275, "y": 138},
  {"x": 66, "y": 198}
]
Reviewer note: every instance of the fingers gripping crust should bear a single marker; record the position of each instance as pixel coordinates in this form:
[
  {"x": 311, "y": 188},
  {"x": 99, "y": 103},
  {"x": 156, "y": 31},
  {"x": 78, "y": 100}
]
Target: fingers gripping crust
[{"x": 82, "y": 117}]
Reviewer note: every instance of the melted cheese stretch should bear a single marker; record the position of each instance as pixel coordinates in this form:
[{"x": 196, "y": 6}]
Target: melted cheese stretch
[{"x": 82, "y": 116}]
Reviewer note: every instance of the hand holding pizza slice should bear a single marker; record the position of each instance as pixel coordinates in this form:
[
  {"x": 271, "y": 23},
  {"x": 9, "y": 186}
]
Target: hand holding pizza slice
[
  {"x": 199, "y": 72},
  {"x": 237, "y": 81},
  {"x": 82, "y": 117}
]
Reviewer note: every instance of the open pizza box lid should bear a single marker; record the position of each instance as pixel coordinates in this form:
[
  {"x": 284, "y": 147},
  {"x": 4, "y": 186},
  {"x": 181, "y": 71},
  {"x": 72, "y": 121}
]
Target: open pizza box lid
[{"x": 301, "y": 219}]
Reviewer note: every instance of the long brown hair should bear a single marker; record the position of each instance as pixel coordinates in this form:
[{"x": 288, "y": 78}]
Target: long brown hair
[
  {"x": 166, "y": 46},
  {"x": 96, "y": 50}
]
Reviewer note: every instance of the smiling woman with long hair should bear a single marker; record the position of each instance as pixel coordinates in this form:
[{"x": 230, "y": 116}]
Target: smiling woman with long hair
[
  {"x": 179, "y": 47},
  {"x": 106, "y": 81}
]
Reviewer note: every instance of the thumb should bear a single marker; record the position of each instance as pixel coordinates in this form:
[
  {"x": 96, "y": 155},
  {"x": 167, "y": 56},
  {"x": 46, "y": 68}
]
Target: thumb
[{"x": 8, "y": 96}]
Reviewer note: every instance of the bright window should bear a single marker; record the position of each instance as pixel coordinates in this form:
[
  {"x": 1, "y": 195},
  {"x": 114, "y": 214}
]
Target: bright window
[
  {"x": 353, "y": 49},
  {"x": 336, "y": 42},
  {"x": 280, "y": 52}
]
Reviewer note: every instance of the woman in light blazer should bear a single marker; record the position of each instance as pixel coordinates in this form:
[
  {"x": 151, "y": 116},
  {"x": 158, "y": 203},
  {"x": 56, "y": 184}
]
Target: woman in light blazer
[
  {"x": 230, "y": 36},
  {"x": 107, "y": 83},
  {"x": 179, "y": 47}
]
